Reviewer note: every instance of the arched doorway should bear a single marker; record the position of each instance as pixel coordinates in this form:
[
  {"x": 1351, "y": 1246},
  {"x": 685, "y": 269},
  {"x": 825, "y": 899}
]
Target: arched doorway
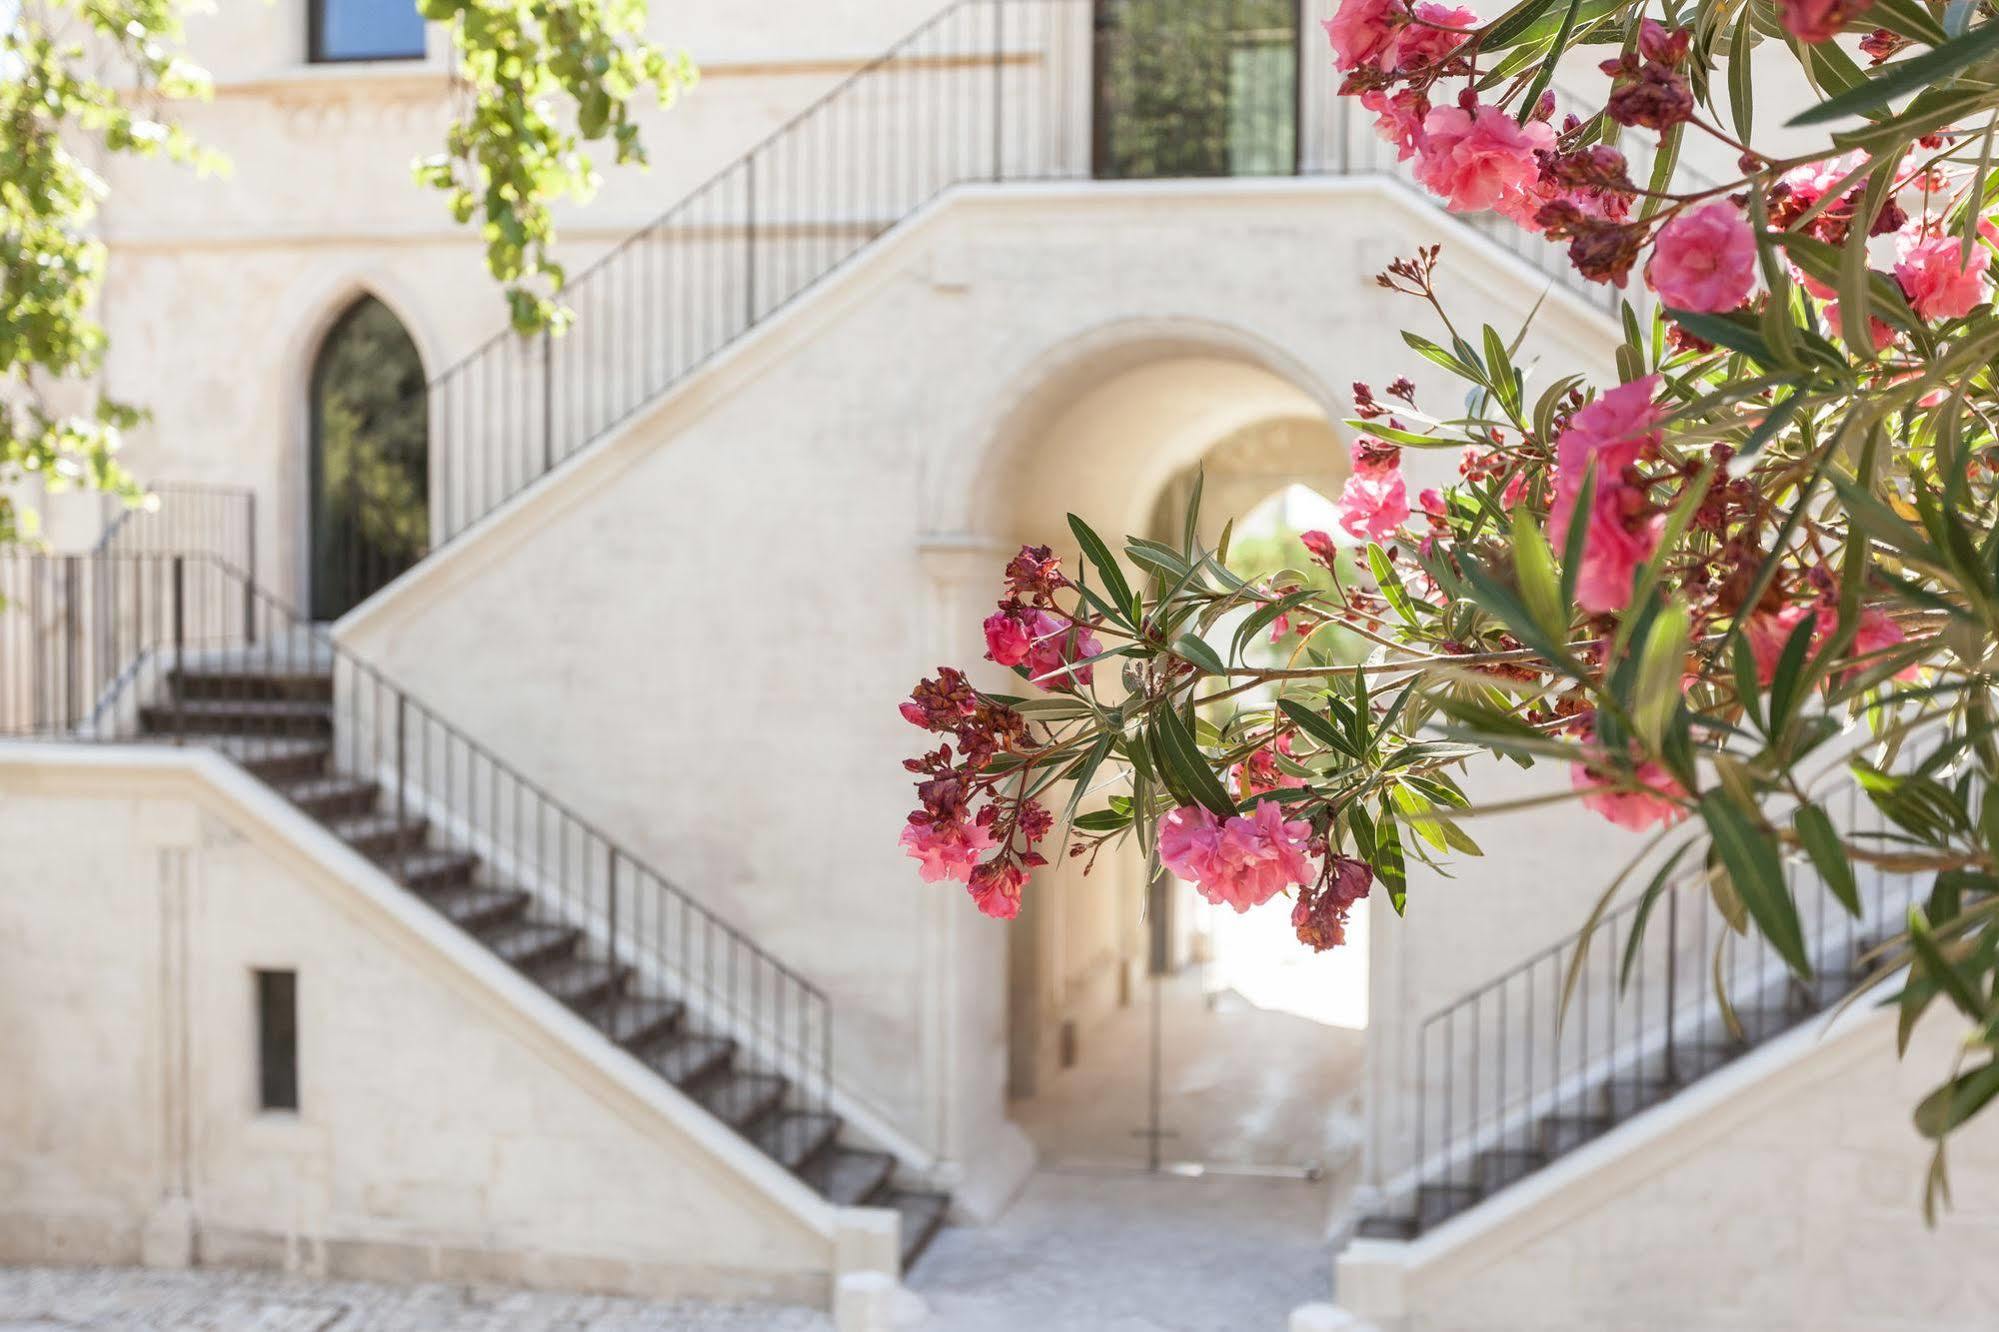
[
  {"x": 369, "y": 466},
  {"x": 1147, "y": 1030}
]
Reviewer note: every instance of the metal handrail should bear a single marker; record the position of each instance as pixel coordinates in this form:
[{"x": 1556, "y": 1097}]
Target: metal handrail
[
  {"x": 983, "y": 92},
  {"x": 102, "y": 648},
  {"x": 1571, "y": 1040}
]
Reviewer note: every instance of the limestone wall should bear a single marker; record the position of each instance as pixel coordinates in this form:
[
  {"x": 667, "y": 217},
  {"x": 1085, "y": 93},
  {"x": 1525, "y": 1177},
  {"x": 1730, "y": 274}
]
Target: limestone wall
[
  {"x": 454, "y": 1123},
  {"x": 1783, "y": 1194}
]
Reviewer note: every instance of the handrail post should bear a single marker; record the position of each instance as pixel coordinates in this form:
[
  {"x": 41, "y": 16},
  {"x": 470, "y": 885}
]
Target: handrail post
[
  {"x": 250, "y": 573},
  {"x": 1672, "y": 979},
  {"x": 180, "y": 650},
  {"x": 750, "y": 241},
  {"x": 547, "y": 399},
  {"x": 999, "y": 82},
  {"x": 402, "y": 758},
  {"x": 72, "y": 648},
  {"x": 611, "y": 933}
]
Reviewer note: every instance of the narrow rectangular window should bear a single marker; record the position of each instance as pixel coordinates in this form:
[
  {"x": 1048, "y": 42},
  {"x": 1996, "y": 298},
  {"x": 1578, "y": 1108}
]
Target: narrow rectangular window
[
  {"x": 277, "y": 1040},
  {"x": 339, "y": 30}
]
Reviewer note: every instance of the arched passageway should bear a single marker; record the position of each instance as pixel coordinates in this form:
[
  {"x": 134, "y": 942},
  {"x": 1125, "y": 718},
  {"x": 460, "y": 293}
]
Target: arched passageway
[{"x": 1146, "y": 1026}]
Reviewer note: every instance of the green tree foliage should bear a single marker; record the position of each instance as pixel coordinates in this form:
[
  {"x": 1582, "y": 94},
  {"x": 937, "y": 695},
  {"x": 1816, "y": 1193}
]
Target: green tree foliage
[{"x": 540, "y": 79}]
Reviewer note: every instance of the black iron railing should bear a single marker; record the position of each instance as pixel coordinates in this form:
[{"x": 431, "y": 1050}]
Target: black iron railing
[
  {"x": 158, "y": 647},
  {"x": 180, "y": 517},
  {"x": 986, "y": 91},
  {"x": 1514, "y": 1074}
]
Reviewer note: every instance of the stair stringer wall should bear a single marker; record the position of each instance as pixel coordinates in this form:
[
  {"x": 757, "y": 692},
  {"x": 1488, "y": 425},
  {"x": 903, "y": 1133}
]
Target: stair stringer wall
[
  {"x": 1782, "y": 1191},
  {"x": 455, "y": 1122}
]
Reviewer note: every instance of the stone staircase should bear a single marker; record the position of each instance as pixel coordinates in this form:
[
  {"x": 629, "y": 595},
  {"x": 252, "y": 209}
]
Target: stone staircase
[
  {"x": 276, "y": 719},
  {"x": 1652, "y": 1066}
]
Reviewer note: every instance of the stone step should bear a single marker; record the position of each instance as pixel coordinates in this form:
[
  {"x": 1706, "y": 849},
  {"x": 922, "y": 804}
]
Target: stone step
[
  {"x": 381, "y": 836},
  {"x": 741, "y": 1100},
  {"x": 1438, "y": 1203},
  {"x": 330, "y": 798},
  {"x": 1564, "y": 1133},
  {"x": 1504, "y": 1165},
  {"x": 1625, "y": 1097},
  {"x": 795, "y": 1138},
  {"x": 425, "y": 871},
  {"x": 634, "y": 1022},
  {"x": 849, "y": 1176},
  {"x": 1388, "y": 1226},
  {"x": 579, "y": 982},
  {"x": 238, "y": 717},
  {"x": 922, "y": 1217},
  {"x": 526, "y": 943},
  {"x": 479, "y": 910},
  {"x": 686, "y": 1058},
  {"x": 270, "y": 681},
  {"x": 274, "y": 760}
]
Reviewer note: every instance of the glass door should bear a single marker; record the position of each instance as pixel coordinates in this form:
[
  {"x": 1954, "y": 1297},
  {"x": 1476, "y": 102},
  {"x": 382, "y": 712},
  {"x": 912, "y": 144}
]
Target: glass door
[{"x": 1196, "y": 88}]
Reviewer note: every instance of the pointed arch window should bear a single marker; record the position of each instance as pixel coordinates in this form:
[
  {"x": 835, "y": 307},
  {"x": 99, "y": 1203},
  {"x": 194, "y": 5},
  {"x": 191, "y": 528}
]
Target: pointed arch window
[
  {"x": 370, "y": 466},
  {"x": 364, "y": 30}
]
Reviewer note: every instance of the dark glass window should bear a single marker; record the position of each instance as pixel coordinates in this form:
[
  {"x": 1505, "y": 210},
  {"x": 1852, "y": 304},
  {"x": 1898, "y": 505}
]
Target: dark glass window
[
  {"x": 1196, "y": 88},
  {"x": 370, "y": 466},
  {"x": 277, "y": 1040},
  {"x": 366, "y": 30}
]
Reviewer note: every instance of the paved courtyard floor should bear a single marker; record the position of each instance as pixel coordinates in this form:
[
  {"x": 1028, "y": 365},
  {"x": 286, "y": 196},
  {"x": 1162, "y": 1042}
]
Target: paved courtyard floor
[
  {"x": 59, "y": 1300},
  {"x": 1076, "y": 1253},
  {"x": 1087, "y": 1252}
]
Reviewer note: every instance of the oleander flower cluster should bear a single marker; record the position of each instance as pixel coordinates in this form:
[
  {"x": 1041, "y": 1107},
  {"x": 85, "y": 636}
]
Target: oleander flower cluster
[{"x": 1752, "y": 567}]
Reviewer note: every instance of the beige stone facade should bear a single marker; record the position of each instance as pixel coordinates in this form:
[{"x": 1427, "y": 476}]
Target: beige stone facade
[{"x": 695, "y": 632}]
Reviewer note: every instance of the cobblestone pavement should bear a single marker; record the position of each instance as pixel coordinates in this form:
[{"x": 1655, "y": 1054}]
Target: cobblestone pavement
[
  {"x": 1077, "y": 1252},
  {"x": 60, "y": 1300},
  {"x": 1088, "y": 1252}
]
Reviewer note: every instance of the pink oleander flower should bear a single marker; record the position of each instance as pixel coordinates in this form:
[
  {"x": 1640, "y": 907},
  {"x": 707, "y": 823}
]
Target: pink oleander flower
[
  {"x": 1480, "y": 158},
  {"x": 1375, "y": 500},
  {"x": 1427, "y": 41},
  {"x": 1260, "y": 857},
  {"x": 1815, "y": 21},
  {"x": 1398, "y": 118},
  {"x": 1320, "y": 545},
  {"x": 1878, "y": 633},
  {"x": 1361, "y": 30},
  {"x": 1704, "y": 260},
  {"x": 1616, "y": 430},
  {"x": 1879, "y": 331},
  {"x": 1633, "y": 810},
  {"x": 945, "y": 848},
  {"x": 1320, "y": 918},
  {"x": 995, "y": 888},
  {"x": 1057, "y": 641},
  {"x": 1768, "y": 631},
  {"x": 1190, "y": 840},
  {"x": 1619, "y": 537},
  {"x": 1241, "y": 862},
  {"x": 1259, "y": 772},
  {"x": 1007, "y": 638},
  {"x": 1807, "y": 184},
  {"x": 1935, "y": 278}
]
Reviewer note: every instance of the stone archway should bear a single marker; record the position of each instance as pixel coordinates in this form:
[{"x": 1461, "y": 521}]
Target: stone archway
[
  {"x": 368, "y": 472},
  {"x": 1116, "y": 436}
]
